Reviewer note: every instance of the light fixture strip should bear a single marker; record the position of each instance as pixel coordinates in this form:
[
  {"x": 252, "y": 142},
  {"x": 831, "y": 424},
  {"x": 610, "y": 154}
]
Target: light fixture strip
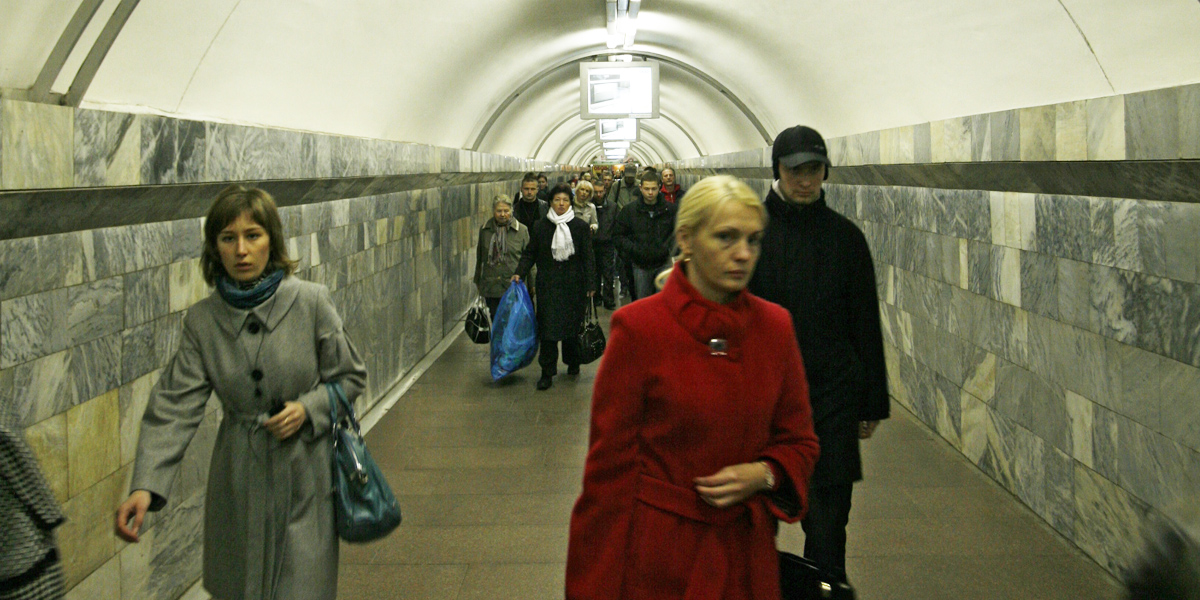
[{"x": 621, "y": 22}]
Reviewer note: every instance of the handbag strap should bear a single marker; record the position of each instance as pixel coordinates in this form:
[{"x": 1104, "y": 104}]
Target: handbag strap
[{"x": 337, "y": 396}]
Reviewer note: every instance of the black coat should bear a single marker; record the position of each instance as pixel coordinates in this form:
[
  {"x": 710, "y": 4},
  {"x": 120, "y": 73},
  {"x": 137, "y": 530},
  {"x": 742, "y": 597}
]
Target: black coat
[
  {"x": 816, "y": 263},
  {"x": 529, "y": 213},
  {"x": 644, "y": 233},
  {"x": 562, "y": 287},
  {"x": 606, "y": 215}
]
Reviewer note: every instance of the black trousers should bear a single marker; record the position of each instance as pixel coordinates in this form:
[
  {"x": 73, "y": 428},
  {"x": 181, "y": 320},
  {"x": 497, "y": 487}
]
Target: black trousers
[
  {"x": 825, "y": 527},
  {"x": 548, "y": 354},
  {"x": 605, "y": 270},
  {"x": 492, "y": 304}
]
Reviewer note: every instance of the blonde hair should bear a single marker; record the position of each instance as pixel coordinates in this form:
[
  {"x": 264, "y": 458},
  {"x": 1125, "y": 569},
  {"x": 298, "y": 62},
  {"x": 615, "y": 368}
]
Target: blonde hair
[
  {"x": 590, "y": 188},
  {"x": 701, "y": 202}
]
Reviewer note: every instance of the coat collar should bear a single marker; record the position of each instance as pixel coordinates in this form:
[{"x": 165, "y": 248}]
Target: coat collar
[
  {"x": 269, "y": 313},
  {"x": 704, "y": 319},
  {"x": 791, "y": 210},
  {"x": 513, "y": 224}
]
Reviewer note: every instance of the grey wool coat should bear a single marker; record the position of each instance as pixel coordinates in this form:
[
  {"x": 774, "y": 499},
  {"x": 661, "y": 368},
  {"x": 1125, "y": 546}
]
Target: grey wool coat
[
  {"x": 268, "y": 525},
  {"x": 492, "y": 280}
]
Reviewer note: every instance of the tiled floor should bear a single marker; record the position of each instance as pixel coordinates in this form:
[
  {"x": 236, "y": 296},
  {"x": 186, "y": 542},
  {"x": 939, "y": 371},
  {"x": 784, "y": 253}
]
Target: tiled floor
[{"x": 487, "y": 474}]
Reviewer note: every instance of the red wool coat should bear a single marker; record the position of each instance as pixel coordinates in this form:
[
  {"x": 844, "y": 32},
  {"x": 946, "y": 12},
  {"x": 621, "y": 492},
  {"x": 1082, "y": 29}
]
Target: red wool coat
[{"x": 667, "y": 409}]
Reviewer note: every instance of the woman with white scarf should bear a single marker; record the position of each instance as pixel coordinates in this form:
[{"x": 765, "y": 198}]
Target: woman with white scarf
[{"x": 560, "y": 246}]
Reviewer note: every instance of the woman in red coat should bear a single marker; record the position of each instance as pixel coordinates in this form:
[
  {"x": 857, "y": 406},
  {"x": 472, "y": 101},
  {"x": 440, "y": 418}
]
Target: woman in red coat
[{"x": 701, "y": 434}]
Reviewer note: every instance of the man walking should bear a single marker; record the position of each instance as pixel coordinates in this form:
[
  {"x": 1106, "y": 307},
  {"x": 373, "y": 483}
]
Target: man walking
[
  {"x": 527, "y": 208},
  {"x": 816, "y": 263},
  {"x": 643, "y": 234}
]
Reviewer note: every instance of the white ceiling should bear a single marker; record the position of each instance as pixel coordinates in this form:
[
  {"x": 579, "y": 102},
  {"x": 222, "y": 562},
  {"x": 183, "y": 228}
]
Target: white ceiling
[{"x": 439, "y": 72}]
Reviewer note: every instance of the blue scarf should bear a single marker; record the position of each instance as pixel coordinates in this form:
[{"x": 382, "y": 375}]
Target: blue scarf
[{"x": 246, "y": 299}]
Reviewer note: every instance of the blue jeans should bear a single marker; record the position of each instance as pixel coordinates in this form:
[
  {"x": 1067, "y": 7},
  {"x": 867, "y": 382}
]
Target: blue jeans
[{"x": 643, "y": 280}]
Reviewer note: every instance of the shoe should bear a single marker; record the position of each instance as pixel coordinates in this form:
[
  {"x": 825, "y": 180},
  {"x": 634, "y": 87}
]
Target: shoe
[
  {"x": 572, "y": 369},
  {"x": 544, "y": 383},
  {"x": 610, "y": 305}
]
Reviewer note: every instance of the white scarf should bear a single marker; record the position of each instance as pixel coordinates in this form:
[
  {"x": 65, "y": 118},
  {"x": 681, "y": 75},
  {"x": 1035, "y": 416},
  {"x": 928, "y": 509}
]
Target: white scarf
[{"x": 561, "y": 245}]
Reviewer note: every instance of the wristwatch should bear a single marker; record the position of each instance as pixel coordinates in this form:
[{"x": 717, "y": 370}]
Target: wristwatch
[{"x": 770, "y": 475}]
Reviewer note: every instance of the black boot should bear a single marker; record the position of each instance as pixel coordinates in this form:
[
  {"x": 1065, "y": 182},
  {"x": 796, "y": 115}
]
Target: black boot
[
  {"x": 545, "y": 382},
  {"x": 572, "y": 369}
]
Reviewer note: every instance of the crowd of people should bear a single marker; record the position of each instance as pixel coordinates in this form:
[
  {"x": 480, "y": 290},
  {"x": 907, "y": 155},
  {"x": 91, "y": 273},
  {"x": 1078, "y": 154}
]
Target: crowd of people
[{"x": 736, "y": 387}]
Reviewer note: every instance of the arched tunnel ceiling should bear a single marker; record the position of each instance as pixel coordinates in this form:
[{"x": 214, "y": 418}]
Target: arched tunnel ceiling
[{"x": 437, "y": 73}]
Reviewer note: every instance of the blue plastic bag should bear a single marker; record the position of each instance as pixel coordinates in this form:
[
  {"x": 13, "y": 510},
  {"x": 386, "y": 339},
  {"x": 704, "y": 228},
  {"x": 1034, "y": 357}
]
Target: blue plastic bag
[{"x": 514, "y": 332}]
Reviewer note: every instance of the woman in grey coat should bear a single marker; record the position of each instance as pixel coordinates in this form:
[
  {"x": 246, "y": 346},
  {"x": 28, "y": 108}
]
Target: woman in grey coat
[
  {"x": 265, "y": 343},
  {"x": 501, "y": 241}
]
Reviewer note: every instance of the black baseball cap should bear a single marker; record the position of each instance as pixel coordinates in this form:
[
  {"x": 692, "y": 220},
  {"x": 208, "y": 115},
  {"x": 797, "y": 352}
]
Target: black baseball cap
[{"x": 798, "y": 145}]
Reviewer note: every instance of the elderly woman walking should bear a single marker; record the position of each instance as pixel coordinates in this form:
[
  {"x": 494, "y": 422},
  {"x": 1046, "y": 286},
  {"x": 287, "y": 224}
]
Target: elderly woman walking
[
  {"x": 266, "y": 343},
  {"x": 560, "y": 246},
  {"x": 501, "y": 241}
]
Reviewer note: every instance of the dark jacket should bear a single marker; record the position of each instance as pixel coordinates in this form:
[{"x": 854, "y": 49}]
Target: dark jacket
[
  {"x": 606, "y": 215},
  {"x": 644, "y": 233},
  {"x": 493, "y": 279},
  {"x": 562, "y": 287},
  {"x": 29, "y": 513},
  {"x": 673, "y": 194},
  {"x": 529, "y": 213},
  {"x": 816, "y": 263}
]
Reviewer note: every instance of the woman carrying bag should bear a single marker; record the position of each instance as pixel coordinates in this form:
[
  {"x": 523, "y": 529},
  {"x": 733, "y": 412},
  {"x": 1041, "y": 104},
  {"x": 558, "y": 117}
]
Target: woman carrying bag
[
  {"x": 560, "y": 246},
  {"x": 266, "y": 343},
  {"x": 501, "y": 241},
  {"x": 701, "y": 435}
]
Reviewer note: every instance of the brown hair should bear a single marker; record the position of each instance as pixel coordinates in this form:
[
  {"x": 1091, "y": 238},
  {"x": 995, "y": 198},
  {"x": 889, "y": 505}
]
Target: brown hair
[{"x": 233, "y": 202}]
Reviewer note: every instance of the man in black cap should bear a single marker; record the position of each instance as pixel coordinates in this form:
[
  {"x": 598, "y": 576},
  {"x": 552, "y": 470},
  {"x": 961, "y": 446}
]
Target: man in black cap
[{"x": 816, "y": 263}]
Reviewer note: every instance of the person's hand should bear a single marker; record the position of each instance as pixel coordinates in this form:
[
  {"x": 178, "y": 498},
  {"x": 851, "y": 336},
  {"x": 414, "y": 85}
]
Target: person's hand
[
  {"x": 130, "y": 515},
  {"x": 866, "y": 429},
  {"x": 515, "y": 278},
  {"x": 287, "y": 422},
  {"x": 733, "y": 484}
]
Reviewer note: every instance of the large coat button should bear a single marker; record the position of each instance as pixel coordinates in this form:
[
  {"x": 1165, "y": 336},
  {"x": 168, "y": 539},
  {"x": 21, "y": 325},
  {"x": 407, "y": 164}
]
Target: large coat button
[
  {"x": 253, "y": 327},
  {"x": 256, "y": 374}
]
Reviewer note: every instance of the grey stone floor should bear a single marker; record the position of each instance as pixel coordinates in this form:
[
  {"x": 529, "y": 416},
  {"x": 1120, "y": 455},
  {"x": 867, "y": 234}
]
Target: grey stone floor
[{"x": 487, "y": 473}]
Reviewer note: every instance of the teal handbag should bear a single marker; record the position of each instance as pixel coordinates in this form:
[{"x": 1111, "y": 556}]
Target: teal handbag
[{"x": 364, "y": 506}]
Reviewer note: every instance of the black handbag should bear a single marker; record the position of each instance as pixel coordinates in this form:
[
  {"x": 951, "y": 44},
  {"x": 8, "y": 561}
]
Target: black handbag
[
  {"x": 479, "y": 322},
  {"x": 365, "y": 508},
  {"x": 590, "y": 337},
  {"x": 802, "y": 579}
]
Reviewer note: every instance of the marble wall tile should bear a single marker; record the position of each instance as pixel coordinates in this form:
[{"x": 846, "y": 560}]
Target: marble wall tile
[
  {"x": 1106, "y": 128},
  {"x": 1105, "y": 441},
  {"x": 1104, "y": 245},
  {"x": 1141, "y": 372},
  {"x": 981, "y": 137},
  {"x": 896, "y": 146},
  {"x": 1059, "y": 475},
  {"x": 285, "y": 156},
  {"x": 1038, "y": 132},
  {"x": 947, "y": 399},
  {"x": 186, "y": 285},
  {"x": 1005, "y": 132},
  {"x": 956, "y": 139},
  {"x": 35, "y": 145},
  {"x": 1049, "y": 419},
  {"x": 975, "y": 420},
  {"x": 48, "y": 442},
  {"x": 937, "y": 142},
  {"x": 147, "y": 295},
  {"x": 1113, "y": 296},
  {"x": 1168, "y": 318},
  {"x": 1072, "y": 358},
  {"x": 1080, "y": 412},
  {"x": 19, "y": 272},
  {"x": 1181, "y": 242},
  {"x": 95, "y": 309},
  {"x": 1108, "y": 520},
  {"x": 187, "y": 239},
  {"x": 33, "y": 326},
  {"x": 1126, "y": 235},
  {"x": 839, "y": 153},
  {"x": 104, "y": 582},
  {"x": 40, "y": 388},
  {"x": 922, "y": 144},
  {"x": 131, "y": 402},
  {"x": 316, "y": 150},
  {"x": 1075, "y": 294},
  {"x": 93, "y": 441},
  {"x": 120, "y": 250},
  {"x": 237, "y": 153},
  {"x": 1039, "y": 284},
  {"x": 86, "y": 541},
  {"x": 173, "y": 150},
  {"x": 1060, "y": 220},
  {"x": 998, "y": 458},
  {"x": 1152, "y": 125},
  {"x": 107, "y": 148},
  {"x": 1189, "y": 121},
  {"x": 1154, "y": 468},
  {"x": 979, "y": 373},
  {"x": 138, "y": 354},
  {"x": 1070, "y": 131},
  {"x": 996, "y": 200},
  {"x": 93, "y": 368},
  {"x": 1179, "y": 390},
  {"x": 1012, "y": 220}
]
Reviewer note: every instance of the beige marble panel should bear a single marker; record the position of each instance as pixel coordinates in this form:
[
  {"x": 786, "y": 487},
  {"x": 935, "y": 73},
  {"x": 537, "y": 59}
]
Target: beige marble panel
[
  {"x": 1028, "y": 217},
  {"x": 132, "y": 398},
  {"x": 980, "y": 379},
  {"x": 1012, "y": 220},
  {"x": 1070, "y": 131},
  {"x": 36, "y": 142},
  {"x": 974, "y": 427},
  {"x": 964, "y": 263},
  {"x": 126, "y": 166},
  {"x": 998, "y": 233},
  {"x": 87, "y": 540},
  {"x": 315, "y": 248},
  {"x": 93, "y": 441},
  {"x": 48, "y": 441},
  {"x": 1037, "y": 133},
  {"x": 104, "y": 582},
  {"x": 1189, "y": 121},
  {"x": 937, "y": 141},
  {"x": 896, "y": 146},
  {"x": 1081, "y": 413},
  {"x": 186, "y": 285},
  {"x": 957, "y": 139},
  {"x": 1010, "y": 278},
  {"x": 1106, "y": 128}
]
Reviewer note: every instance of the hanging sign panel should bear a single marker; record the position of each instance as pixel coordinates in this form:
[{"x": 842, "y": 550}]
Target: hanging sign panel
[
  {"x": 617, "y": 130},
  {"x": 614, "y": 90}
]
